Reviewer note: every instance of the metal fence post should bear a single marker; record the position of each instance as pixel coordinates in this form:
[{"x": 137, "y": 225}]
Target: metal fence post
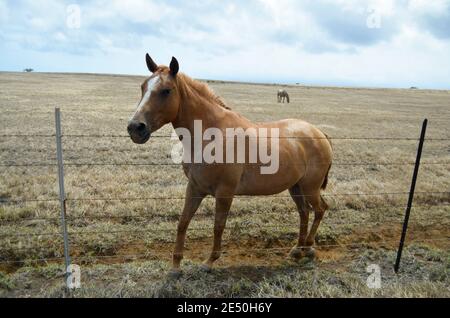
[
  {"x": 411, "y": 195},
  {"x": 62, "y": 194}
]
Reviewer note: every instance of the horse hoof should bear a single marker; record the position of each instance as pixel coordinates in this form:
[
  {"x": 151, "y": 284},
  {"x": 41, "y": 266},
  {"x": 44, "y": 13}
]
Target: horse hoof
[
  {"x": 296, "y": 253},
  {"x": 175, "y": 273},
  {"x": 310, "y": 253},
  {"x": 206, "y": 268},
  {"x": 299, "y": 252}
]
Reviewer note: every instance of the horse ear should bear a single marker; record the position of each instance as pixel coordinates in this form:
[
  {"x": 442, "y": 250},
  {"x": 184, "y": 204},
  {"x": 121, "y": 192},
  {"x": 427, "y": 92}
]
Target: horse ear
[
  {"x": 152, "y": 67},
  {"x": 174, "y": 66}
]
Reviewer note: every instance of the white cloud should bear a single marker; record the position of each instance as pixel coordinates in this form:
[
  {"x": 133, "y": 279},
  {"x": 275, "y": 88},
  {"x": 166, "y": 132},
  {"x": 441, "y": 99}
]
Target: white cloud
[
  {"x": 4, "y": 12},
  {"x": 434, "y": 7},
  {"x": 141, "y": 11}
]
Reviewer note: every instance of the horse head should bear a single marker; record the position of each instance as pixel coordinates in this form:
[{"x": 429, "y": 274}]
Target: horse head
[{"x": 159, "y": 103}]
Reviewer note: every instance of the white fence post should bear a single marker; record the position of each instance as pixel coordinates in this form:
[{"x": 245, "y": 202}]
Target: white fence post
[{"x": 62, "y": 194}]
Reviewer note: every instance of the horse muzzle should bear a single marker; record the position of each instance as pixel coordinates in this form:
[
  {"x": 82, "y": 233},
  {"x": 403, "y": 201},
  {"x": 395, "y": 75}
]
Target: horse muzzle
[{"x": 138, "y": 132}]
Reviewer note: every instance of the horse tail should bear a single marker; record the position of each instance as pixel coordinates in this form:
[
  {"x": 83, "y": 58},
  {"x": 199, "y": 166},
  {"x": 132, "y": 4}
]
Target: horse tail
[
  {"x": 287, "y": 96},
  {"x": 328, "y": 139},
  {"x": 325, "y": 181}
]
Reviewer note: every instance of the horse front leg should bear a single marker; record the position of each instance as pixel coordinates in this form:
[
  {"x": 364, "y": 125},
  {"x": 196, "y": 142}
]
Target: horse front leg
[
  {"x": 192, "y": 201},
  {"x": 223, "y": 205}
]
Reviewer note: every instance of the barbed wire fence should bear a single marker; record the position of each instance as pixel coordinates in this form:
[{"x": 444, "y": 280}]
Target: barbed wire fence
[{"x": 64, "y": 218}]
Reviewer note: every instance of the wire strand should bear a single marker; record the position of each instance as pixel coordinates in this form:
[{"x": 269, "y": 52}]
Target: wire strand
[
  {"x": 225, "y": 252},
  {"x": 138, "y": 231},
  {"x": 80, "y": 164},
  {"x": 151, "y": 216},
  {"x": 249, "y": 196},
  {"x": 170, "y": 136},
  {"x": 3, "y": 201}
]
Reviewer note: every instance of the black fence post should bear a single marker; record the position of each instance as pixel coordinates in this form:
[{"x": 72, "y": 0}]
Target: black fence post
[{"x": 411, "y": 195}]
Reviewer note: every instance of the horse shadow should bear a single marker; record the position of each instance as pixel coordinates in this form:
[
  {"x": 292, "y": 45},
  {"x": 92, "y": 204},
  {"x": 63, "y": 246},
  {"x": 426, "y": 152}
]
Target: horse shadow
[{"x": 230, "y": 281}]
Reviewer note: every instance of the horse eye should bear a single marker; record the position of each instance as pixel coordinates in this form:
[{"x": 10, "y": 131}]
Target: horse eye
[{"x": 165, "y": 92}]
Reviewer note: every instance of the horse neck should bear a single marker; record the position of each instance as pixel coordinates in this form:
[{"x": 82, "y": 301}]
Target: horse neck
[{"x": 195, "y": 104}]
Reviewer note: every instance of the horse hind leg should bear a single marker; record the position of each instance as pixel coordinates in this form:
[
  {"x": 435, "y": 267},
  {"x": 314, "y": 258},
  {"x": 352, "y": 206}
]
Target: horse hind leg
[
  {"x": 300, "y": 249},
  {"x": 319, "y": 206}
]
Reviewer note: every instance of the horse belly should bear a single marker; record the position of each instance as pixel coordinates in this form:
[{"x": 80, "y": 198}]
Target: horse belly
[{"x": 253, "y": 182}]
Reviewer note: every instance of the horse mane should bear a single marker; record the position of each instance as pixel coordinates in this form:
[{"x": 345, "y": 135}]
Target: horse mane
[{"x": 200, "y": 89}]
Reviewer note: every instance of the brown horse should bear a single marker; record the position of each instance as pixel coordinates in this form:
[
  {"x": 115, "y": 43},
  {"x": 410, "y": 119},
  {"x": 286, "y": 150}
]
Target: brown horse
[
  {"x": 304, "y": 154},
  {"x": 282, "y": 95}
]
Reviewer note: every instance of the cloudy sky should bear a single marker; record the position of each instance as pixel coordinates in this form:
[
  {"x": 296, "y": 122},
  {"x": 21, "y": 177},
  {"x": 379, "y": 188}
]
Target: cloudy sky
[{"x": 384, "y": 43}]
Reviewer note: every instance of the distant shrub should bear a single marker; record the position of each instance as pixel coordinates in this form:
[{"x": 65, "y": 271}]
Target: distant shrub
[{"x": 28, "y": 70}]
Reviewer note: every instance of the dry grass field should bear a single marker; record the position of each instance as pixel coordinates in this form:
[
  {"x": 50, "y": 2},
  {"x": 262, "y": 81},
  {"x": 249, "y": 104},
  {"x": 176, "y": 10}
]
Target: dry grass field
[{"x": 124, "y": 246}]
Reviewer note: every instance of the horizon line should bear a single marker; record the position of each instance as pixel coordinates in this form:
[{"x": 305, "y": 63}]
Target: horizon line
[{"x": 245, "y": 82}]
